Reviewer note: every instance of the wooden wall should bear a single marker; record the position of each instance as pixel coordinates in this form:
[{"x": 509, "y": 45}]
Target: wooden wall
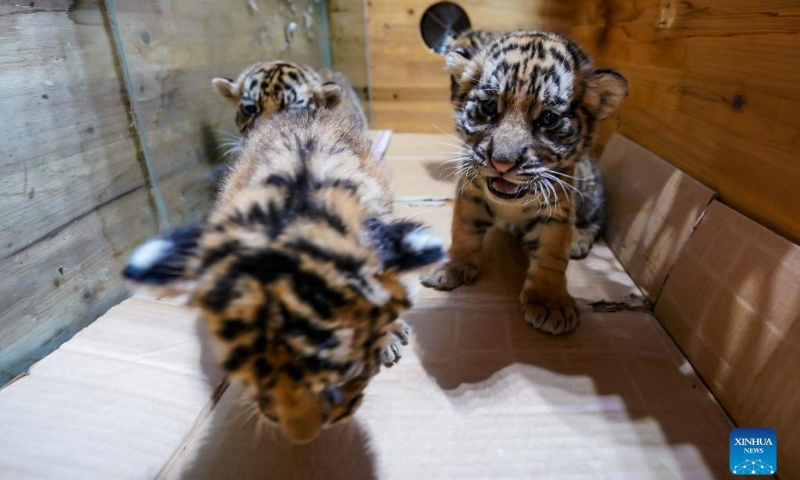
[
  {"x": 349, "y": 44},
  {"x": 76, "y": 193},
  {"x": 714, "y": 90},
  {"x": 411, "y": 90},
  {"x": 714, "y": 85}
]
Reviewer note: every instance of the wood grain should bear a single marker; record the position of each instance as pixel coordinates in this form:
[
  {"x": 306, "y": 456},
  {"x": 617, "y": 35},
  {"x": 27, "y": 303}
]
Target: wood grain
[
  {"x": 65, "y": 146},
  {"x": 56, "y": 287},
  {"x": 348, "y": 37},
  {"x": 411, "y": 90},
  {"x": 714, "y": 86},
  {"x": 714, "y": 91},
  {"x": 73, "y": 198},
  {"x": 174, "y": 48}
]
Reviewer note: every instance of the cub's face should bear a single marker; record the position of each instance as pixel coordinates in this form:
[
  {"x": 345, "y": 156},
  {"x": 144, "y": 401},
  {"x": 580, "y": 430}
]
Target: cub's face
[
  {"x": 265, "y": 89},
  {"x": 527, "y": 107}
]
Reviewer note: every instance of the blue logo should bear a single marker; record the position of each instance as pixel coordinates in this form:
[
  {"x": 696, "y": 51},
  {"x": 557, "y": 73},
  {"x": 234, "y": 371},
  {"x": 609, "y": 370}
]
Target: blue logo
[{"x": 754, "y": 451}]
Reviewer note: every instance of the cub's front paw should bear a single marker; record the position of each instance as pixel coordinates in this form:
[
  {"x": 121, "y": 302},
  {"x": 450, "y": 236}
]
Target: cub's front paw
[
  {"x": 450, "y": 275},
  {"x": 554, "y": 314},
  {"x": 398, "y": 336}
]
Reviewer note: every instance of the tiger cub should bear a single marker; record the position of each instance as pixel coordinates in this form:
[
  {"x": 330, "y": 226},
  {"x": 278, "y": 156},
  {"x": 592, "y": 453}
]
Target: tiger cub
[
  {"x": 527, "y": 105},
  {"x": 297, "y": 270},
  {"x": 266, "y": 88},
  {"x": 590, "y": 199}
]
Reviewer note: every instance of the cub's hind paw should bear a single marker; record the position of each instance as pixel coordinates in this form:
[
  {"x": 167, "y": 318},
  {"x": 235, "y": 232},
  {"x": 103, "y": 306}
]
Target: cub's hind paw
[
  {"x": 398, "y": 336},
  {"x": 449, "y": 276},
  {"x": 582, "y": 241}
]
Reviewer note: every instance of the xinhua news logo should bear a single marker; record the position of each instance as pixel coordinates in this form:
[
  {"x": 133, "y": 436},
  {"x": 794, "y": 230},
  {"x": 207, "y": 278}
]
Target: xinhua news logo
[{"x": 753, "y": 451}]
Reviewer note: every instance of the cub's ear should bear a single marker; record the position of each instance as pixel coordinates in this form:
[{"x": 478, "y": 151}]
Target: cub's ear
[
  {"x": 329, "y": 95},
  {"x": 458, "y": 60},
  {"x": 464, "y": 72},
  {"x": 605, "y": 90},
  {"x": 162, "y": 261},
  {"x": 404, "y": 246},
  {"x": 227, "y": 88}
]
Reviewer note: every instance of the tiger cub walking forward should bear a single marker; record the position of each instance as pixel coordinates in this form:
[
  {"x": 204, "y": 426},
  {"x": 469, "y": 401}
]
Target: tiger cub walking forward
[
  {"x": 527, "y": 105},
  {"x": 297, "y": 270}
]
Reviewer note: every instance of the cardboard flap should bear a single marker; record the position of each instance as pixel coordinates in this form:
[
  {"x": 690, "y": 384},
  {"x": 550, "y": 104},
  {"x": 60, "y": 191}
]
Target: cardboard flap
[
  {"x": 733, "y": 305},
  {"x": 652, "y": 209}
]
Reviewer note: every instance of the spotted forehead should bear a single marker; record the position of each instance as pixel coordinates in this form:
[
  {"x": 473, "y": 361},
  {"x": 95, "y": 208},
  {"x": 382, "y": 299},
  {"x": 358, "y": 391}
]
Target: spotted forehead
[
  {"x": 536, "y": 67},
  {"x": 277, "y": 79}
]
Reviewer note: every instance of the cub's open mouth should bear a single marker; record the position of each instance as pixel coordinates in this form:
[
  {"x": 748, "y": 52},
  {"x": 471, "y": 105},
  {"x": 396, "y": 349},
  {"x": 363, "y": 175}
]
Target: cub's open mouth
[{"x": 505, "y": 189}]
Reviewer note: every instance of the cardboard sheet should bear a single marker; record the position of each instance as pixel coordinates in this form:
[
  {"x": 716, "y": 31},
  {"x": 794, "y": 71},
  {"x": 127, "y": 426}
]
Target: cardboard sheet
[
  {"x": 653, "y": 208},
  {"x": 732, "y": 303},
  {"x": 114, "y": 402},
  {"x": 479, "y": 394},
  {"x": 380, "y": 140}
]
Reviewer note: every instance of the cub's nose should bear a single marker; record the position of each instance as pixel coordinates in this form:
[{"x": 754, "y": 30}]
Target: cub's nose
[{"x": 502, "y": 166}]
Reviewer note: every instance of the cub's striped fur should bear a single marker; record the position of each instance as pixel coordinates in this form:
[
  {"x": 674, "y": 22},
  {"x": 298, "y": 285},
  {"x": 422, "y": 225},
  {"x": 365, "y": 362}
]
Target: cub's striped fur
[
  {"x": 266, "y": 88},
  {"x": 590, "y": 199},
  {"x": 297, "y": 269},
  {"x": 527, "y": 105}
]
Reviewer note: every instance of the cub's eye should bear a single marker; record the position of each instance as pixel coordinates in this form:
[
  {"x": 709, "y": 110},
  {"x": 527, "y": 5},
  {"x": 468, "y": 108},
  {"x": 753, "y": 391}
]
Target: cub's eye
[
  {"x": 488, "y": 107},
  {"x": 249, "y": 109},
  {"x": 549, "y": 119}
]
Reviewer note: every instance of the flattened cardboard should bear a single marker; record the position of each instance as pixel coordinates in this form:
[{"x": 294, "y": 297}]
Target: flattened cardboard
[
  {"x": 478, "y": 394},
  {"x": 482, "y": 395},
  {"x": 114, "y": 402},
  {"x": 599, "y": 277},
  {"x": 733, "y": 305},
  {"x": 652, "y": 209}
]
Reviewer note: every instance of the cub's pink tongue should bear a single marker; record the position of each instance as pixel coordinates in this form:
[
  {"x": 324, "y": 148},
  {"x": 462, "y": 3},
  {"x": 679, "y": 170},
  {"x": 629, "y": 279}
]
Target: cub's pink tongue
[{"x": 504, "y": 186}]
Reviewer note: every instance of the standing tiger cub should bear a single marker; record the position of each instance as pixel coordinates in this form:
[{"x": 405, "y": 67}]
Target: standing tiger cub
[{"x": 527, "y": 105}]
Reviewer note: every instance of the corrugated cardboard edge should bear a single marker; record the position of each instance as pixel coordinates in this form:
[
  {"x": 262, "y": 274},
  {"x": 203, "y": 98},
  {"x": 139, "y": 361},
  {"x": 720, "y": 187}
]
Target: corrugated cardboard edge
[
  {"x": 15, "y": 379},
  {"x": 653, "y": 208},
  {"x": 380, "y": 142}
]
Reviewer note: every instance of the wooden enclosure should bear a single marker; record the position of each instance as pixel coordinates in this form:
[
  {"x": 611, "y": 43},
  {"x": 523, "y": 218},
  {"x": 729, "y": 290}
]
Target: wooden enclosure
[
  {"x": 99, "y": 154},
  {"x": 714, "y": 85},
  {"x": 112, "y": 134}
]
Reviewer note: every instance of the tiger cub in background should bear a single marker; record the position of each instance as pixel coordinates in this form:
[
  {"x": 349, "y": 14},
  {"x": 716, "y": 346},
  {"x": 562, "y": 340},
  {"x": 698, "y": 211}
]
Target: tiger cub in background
[
  {"x": 590, "y": 198},
  {"x": 527, "y": 106},
  {"x": 297, "y": 269},
  {"x": 266, "y": 88}
]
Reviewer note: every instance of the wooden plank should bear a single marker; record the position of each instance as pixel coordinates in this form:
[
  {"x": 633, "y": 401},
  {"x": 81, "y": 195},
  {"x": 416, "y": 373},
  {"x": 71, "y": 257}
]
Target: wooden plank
[
  {"x": 714, "y": 92},
  {"x": 410, "y": 87},
  {"x": 732, "y": 304},
  {"x": 58, "y": 286},
  {"x": 348, "y": 37},
  {"x": 652, "y": 209},
  {"x": 67, "y": 147},
  {"x": 174, "y": 48}
]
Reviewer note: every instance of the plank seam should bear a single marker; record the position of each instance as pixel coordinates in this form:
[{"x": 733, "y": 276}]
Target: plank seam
[
  {"x": 138, "y": 127},
  {"x": 52, "y": 233}
]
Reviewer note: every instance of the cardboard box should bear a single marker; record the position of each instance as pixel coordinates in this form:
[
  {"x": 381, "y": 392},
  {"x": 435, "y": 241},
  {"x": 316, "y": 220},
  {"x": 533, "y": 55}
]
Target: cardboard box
[
  {"x": 732, "y": 304},
  {"x": 479, "y": 395},
  {"x": 654, "y": 207}
]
